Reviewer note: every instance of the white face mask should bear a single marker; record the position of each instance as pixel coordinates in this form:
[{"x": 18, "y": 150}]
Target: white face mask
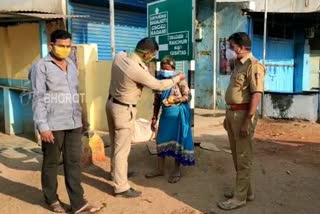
[
  {"x": 166, "y": 73},
  {"x": 230, "y": 54}
]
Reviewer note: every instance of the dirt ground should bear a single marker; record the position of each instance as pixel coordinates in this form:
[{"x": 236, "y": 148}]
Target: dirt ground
[{"x": 286, "y": 174}]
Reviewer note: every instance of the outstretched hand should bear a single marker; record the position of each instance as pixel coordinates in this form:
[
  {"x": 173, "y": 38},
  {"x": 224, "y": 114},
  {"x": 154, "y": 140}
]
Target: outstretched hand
[{"x": 182, "y": 76}]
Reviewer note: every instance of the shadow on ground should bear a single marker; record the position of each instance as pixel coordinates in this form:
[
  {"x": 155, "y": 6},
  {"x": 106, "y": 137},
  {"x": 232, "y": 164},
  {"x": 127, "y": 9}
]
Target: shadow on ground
[{"x": 284, "y": 176}]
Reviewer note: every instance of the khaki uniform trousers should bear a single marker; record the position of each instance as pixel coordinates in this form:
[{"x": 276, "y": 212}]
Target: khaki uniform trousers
[
  {"x": 121, "y": 127},
  {"x": 242, "y": 153}
]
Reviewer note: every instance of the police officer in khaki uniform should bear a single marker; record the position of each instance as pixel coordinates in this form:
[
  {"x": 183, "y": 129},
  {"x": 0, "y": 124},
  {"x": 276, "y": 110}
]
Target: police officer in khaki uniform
[
  {"x": 242, "y": 98},
  {"x": 129, "y": 75}
]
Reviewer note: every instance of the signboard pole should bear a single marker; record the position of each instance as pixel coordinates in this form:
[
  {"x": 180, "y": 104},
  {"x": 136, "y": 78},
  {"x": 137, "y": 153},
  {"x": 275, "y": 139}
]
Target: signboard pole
[
  {"x": 158, "y": 67},
  {"x": 264, "y": 47},
  {"x": 214, "y": 55},
  {"x": 191, "y": 71},
  {"x": 112, "y": 29},
  {"x": 192, "y": 67}
]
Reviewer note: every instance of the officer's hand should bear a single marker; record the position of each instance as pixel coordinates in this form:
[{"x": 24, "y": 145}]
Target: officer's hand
[
  {"x": 47, "y": 137},
  {"x": 244, "y": 131},
  {"x": 182, "y": 76},
  {"x": 225, "y": 124},
  {"x": 154, "y": 124}
]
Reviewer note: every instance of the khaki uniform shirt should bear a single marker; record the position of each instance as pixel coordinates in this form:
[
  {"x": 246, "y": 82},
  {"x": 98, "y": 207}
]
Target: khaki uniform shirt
[
  {"x": 247, "y": 78},
  {"x": 129, "y": 75}
]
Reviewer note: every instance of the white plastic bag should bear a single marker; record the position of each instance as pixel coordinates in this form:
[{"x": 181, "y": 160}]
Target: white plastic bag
[{"x": 142, "y": 131}]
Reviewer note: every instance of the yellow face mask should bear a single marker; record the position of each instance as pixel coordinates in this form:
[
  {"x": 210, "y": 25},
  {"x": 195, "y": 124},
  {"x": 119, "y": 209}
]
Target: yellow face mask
[{"x": 61, "y": 52}]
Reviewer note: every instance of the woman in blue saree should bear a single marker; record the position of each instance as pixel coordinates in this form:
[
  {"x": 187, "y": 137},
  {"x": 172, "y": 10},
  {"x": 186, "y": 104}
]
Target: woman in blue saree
[{"x": 174, "y": 137}]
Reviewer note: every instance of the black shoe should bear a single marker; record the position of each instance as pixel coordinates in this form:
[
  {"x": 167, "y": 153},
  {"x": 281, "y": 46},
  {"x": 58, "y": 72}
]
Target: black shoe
[{"x": 130, "y": 193}]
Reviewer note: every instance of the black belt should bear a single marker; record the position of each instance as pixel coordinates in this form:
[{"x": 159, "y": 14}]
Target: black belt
[{"x": 120, "y": 103}]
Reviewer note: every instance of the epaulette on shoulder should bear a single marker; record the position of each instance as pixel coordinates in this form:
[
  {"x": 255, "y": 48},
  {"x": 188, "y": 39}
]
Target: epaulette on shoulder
[{"x": 254, "y": 61}]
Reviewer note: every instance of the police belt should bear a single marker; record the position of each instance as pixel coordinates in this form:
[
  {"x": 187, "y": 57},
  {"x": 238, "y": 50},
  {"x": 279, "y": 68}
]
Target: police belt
[
  {"x": 119, "y": 102},
  {"x": 238, "y": 107}
]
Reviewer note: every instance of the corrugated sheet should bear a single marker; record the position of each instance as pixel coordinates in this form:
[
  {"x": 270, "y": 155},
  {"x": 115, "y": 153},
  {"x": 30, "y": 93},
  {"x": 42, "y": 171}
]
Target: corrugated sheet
[
  {"x": 52, "y": 16},
  {"x": 139, "y": 3},
  {"x": 289, "y": 6},
  {"x": 283, "y": 6},
  {"x": 279, "y": 63},
  {"x": 130, "y": 27},
  {"x": 105, "y": 3},
  {"x": 45, "y": 6},
  {"x": 45, "y": 15},
  {"x": 22, "y": 11}
]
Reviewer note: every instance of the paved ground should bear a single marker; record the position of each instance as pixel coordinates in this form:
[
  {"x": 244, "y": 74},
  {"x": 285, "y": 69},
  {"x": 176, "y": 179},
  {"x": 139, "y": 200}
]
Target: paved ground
[{"x": 286, "y": 174}]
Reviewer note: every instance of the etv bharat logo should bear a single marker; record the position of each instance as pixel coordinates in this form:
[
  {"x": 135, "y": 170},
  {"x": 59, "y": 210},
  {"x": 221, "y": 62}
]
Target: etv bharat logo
[{"x": 26, "y": 98}]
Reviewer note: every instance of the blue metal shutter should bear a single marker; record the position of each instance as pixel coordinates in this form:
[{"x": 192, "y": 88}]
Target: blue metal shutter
[
  {"x": 130, "y": 27},
  {"x": 138, "y": 3},
  {"x": 279, "y": 63}
]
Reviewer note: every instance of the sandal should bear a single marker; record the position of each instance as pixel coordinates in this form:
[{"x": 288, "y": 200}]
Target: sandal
[
  {"x": 57, "y": 207},
  {"x": 174, "y": 179},
  {"x": 88, "y": 209},
  {"x": 230, "y": 204},
  {"x": 230, "y": 194}
]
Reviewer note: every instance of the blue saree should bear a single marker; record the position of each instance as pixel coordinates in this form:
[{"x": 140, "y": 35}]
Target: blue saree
[{"x": 174, "y": 138}]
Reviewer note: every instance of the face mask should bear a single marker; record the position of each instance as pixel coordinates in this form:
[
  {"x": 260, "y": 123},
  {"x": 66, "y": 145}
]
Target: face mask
[
  {"x": 147, "y": 61},
  {"x": 61, "y": 52},
  {"x": 230, "y": 54},
  {"x": 166, "y": 73}
]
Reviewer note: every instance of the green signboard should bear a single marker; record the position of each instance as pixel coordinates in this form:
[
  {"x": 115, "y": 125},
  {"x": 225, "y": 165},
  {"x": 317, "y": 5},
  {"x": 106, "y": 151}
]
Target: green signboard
[{"x": 171, "y": 24}]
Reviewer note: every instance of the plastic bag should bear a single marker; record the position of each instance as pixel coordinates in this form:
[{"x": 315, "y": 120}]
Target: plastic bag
[
  {"x": 142, "y": 131},
  {"x": 92, "y": 149}
]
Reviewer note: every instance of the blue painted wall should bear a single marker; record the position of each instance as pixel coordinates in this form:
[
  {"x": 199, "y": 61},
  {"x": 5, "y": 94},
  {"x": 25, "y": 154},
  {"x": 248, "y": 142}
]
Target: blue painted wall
[
  {"x": 203, "y": 57},
  {"x": 17, "y": 112},
  {"x": 306, "y": 83},
  {"x": 230, "y": 20},
  {"x": 302, "y": 61},
  {"x": 20, "y": 121},
  {"x": 15, "y": 83},
  {"x": 293, "y": 56},
  {"x": 130, "y": 27},
  {"x": 278, "y": 78}
]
